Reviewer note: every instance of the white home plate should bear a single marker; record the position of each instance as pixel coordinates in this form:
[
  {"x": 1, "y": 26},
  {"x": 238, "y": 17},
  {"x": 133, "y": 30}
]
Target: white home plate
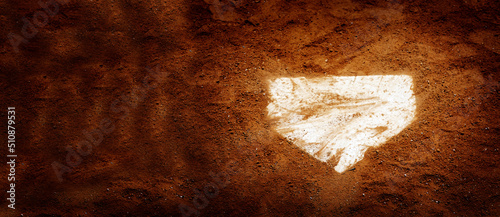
[{"x": 341, "y": 116}]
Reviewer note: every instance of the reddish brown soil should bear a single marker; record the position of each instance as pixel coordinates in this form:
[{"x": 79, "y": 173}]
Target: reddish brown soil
[{"x": 207, "y": 112}]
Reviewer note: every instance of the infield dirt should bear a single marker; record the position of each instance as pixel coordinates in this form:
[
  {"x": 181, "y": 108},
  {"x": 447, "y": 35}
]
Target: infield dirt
[{"x": 203, "y": 111}]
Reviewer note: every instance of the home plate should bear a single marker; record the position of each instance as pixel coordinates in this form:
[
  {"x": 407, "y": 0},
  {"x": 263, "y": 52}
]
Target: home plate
[{"x": 339, "y": 117}]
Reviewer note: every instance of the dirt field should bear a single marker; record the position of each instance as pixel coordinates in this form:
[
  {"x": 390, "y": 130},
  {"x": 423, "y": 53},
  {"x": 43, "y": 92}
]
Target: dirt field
[{"x": 158, "y": 108}]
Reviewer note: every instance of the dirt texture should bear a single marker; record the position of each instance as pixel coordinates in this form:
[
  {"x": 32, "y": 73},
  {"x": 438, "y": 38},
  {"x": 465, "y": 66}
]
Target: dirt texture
[{"x": 178, "y": 91}]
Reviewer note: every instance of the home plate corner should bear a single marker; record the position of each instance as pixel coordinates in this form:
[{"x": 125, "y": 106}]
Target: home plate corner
[{"x": 341, "y": 116}]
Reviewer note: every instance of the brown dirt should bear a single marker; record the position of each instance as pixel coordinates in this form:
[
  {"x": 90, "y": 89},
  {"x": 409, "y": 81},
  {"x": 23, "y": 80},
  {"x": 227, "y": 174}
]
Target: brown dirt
[{"x": 207, "y": 112}]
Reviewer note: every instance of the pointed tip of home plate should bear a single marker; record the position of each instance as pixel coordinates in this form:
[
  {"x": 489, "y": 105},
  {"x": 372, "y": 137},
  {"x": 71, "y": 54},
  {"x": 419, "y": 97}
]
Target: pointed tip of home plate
[{"x": 341, "y": 116}]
